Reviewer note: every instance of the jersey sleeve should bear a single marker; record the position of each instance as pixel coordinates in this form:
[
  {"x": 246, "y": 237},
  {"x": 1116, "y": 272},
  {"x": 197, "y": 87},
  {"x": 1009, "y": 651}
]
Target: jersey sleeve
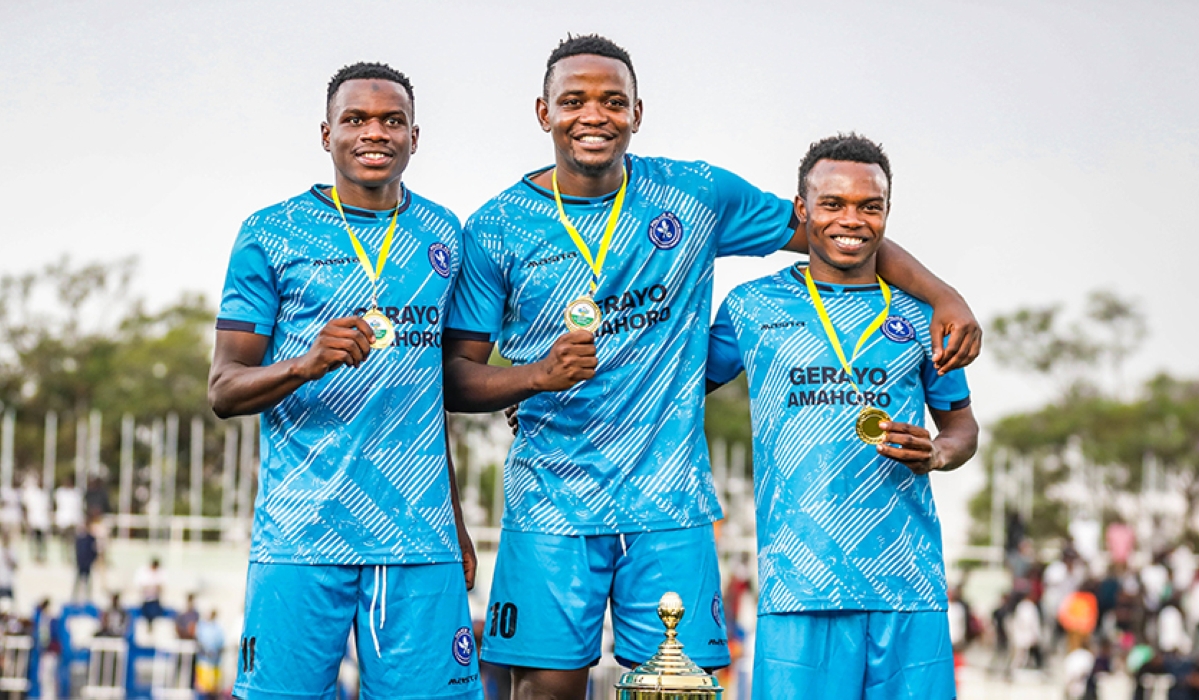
[
  {"x": 947, "y": 392},
  {"x": 749, "y": 221},
  {"x": 477, "y": 304},
  {"x": 250, "y": 299},
  {"x": 724, "y": 356}
]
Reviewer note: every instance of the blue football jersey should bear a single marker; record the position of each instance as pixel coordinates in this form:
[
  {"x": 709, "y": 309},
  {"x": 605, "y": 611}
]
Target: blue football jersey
[
  {"x": 840, "y": 527},
  {"x": 624, "y": 451},
  {"x": 353, "y": 466}
]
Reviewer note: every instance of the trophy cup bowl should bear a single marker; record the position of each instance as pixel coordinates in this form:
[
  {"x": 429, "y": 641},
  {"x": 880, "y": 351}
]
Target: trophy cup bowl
[{"x": 669, "y": 675}]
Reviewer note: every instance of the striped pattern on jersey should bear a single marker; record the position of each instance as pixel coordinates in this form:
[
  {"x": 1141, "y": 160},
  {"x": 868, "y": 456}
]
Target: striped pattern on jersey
[
  {"x": 354, "y": 467},
  {"x": 623, "y": 452},
  {"x": 840, "y": 527}
]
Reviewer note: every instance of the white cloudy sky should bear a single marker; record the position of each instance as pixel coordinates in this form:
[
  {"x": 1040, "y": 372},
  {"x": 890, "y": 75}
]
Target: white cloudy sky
[{"x": 1041, "y": 149}]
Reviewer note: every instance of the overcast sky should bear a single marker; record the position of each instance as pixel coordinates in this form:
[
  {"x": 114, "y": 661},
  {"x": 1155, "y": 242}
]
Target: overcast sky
[{"x": 1041, "y": 149}]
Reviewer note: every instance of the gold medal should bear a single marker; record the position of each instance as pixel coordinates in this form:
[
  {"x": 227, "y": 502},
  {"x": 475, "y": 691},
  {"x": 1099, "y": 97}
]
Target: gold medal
[
  {"x": 383, "y": 328},
  {"x": 868, "y": 428},
  {"x": 583, "y": 314}
]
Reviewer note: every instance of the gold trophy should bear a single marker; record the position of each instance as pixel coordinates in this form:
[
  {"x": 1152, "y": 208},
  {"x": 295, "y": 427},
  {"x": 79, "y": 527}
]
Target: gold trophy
[{"x": 669, "y": 675}]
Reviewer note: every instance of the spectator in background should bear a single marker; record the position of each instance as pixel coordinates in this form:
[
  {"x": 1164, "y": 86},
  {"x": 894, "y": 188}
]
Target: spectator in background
[
  {"x": 1155, "y": 584},
  {"x": 1078, "y": 616},
  {"x": 114, "y": 621},
  {"x": 1102, "y": 666},
  {"x": 1181, "y": 563},
  {"x": 86, "y": 552},
  {"x": 1077, "y": 668},
  {"x": 1025, "y": 634},
  {"x": 1021, "y": 561},
  {"x": 1062, "y": 578},
  {"x": 1172, "y": 634},
  {"x": 150, "y": 580},
  {"x": 37, "y": 515},
  {"x": 8, "y": 565},
  {"x": 1120, "y": 541},
  {"x": 186, "y": 621},
  {"x": 1107, "y": 594},
  {"x": 95, "y": 499},
  {"x": 1190, "y": 605},
  {"x": 210, "y": 640},
  {"x": 10, "y": 510},
  {"x": 68, "y": 515}
]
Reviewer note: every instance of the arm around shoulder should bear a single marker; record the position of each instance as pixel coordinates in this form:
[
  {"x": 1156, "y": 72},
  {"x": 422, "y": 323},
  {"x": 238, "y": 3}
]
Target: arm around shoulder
[{"x": 952, "y": 316}]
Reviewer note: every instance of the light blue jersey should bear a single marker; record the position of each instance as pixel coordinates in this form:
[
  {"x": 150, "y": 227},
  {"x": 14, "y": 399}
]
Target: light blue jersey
[
  {"x": 622, "y": 452},
  {"x": 840, "y": 527},
  {"x": 354, "y": 468}
]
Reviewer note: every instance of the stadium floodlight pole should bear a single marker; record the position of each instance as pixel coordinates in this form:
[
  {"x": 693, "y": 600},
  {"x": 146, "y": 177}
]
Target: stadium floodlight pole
[
  {"x": 50, "y": 451},
  {"x": 6, "y": 448},
  {"x": 80, "y": 454},
  {"x": 228, "y": 480},
  {"x": 125, "y": 487},
  {"x": 196, "y": 474}
]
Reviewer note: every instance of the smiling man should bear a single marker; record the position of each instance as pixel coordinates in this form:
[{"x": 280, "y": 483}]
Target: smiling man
[
  {"x": 852, "y": 582},
  {"x": 595, "y": 277},
  {"x": 330, "y": 327}
]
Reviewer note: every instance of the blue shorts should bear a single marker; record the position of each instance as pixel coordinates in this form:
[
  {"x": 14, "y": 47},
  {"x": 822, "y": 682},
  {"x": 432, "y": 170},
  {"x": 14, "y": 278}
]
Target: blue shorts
[
  {"x": 549, "y": 594},
  {"x": 854, "y": 655},
  {"x": 411, "y": 624}
]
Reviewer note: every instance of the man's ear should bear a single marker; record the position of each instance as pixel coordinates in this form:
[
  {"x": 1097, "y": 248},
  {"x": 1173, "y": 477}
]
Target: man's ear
[
  {"x": 543, "y": 114},
  {"x": 325, "y": 135},
  {"x": 801, "y": 210}
]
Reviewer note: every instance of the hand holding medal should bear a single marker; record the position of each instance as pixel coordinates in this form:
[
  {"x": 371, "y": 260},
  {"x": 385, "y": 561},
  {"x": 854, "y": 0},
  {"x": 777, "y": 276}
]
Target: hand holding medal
[
  {"x": 342, "y": 342},
  {"x": 382, "y": 330},
  {"x": 913, "y": 446}
]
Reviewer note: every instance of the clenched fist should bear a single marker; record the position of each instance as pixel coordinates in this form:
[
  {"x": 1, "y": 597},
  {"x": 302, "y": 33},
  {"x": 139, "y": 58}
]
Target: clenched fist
[{"x": 570, "y": 361}]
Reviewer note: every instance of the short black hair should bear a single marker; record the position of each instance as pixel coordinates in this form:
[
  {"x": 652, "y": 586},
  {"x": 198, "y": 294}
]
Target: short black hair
[
  {"x": 586, "y": 44},
  {"x": 369, "y": 71},
  {"x": 849, "y": 147}
]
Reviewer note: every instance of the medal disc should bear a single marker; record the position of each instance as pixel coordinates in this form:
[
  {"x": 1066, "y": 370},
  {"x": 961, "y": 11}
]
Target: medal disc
[
  {"x": 867, "y": 427},
  {"x": 382, "y": 327},
  {"x": 583, "y": 314}
]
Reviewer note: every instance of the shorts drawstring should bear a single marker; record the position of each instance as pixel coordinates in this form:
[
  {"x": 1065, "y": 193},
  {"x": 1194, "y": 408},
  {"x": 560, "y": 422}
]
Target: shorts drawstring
[
  {"x": 383, "y": 614},
  {"x": 624, "y": 546}
]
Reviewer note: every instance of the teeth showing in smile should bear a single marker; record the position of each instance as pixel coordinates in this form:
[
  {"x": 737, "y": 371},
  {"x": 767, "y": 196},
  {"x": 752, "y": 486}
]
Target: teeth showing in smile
[
  {"x": 372, "y": 156},
  {"x": 847, "y": 242},
  {"x": 592, "y": 139}
]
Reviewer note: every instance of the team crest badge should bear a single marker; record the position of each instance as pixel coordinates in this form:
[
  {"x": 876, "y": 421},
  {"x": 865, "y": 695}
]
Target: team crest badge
[
  {"x": 665, "y": 231},
  {"x": 899, "y": 329},
  {"x": 718, "y": 610},
  {"x": 439, "y": 258},
  {"x": 464, "y": 646}
]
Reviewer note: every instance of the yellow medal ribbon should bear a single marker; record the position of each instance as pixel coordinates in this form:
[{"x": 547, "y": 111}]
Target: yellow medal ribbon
[
  {"x": 831, "y": 332},
  {"x": 376, "y": 271},
  {"x": 596, "y": 264}
]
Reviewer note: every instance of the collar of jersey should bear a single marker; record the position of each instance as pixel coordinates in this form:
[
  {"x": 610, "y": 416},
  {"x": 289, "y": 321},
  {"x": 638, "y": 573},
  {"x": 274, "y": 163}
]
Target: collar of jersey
[
  {"x": 317, "y": 191},
  {"x": 568, "y": 199},
  {"x": 795, "y": 272}
]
